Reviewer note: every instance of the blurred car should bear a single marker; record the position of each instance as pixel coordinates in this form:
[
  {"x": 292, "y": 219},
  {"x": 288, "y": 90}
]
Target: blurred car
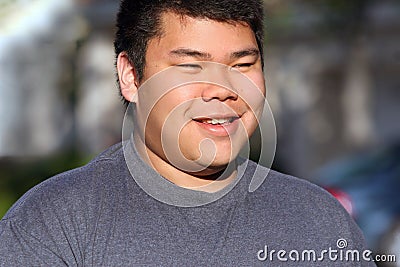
[{"x": 369, "y": 186}]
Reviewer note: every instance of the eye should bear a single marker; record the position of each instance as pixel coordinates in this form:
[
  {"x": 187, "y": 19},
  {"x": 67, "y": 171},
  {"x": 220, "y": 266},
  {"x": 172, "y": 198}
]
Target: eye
[
  {"x": 242, "y": 66},
  {"x": 190, "y": 68}
]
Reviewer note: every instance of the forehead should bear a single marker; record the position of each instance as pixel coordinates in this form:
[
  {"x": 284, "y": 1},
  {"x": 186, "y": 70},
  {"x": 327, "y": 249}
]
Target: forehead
[
  {"x": 183, "y": 20},
  {"x": 202, "y": 34}
]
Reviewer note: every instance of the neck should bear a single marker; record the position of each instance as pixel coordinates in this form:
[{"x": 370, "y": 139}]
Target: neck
[{"x": 211, "y": 179}]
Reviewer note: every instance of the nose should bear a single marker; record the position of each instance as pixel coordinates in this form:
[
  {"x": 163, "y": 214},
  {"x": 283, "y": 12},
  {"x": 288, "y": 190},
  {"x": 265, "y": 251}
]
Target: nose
[{"x": 217, "y": 92}]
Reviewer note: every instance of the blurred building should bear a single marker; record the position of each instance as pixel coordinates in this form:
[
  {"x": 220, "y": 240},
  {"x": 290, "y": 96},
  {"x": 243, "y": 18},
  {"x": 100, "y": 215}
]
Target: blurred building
[
  {"x": 332, "y": 73},
  {"x": 37, "y": 38},
  {"x": 57, "y": 77}
]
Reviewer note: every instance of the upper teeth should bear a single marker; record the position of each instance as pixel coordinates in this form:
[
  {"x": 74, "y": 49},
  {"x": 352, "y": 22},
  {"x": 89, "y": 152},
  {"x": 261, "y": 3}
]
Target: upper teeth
[{"x": 217, "y": 121}]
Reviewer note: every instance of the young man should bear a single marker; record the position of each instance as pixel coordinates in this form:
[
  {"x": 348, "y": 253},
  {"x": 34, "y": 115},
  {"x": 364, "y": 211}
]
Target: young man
[{"x": 177, "y": 193}]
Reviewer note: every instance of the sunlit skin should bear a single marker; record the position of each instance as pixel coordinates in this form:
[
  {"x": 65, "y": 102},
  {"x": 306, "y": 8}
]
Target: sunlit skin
[{"x": 188, "y": 40}]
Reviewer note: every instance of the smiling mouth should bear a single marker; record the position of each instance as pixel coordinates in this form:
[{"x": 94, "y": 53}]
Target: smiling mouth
[
  {"x": 218, "y": 125},
  {"x": 217, "y": 121}
]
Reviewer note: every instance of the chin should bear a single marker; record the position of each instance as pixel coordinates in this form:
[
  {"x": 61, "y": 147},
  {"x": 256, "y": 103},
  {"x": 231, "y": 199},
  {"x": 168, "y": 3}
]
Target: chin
[{"x": 222, "y": 161}]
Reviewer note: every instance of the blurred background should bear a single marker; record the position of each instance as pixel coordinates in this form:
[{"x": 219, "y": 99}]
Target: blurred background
[{"x": 333, "y": 78}]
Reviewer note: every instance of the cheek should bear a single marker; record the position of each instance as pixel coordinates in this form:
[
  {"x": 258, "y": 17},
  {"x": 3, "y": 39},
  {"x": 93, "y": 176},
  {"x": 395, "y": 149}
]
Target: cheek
[
  {"x": 168, "y": 111},
  {"x": 254, "y": 94},
  {"x": 189, "y": 142},
  {"x": 259, "y": 80},
  {"x": 164, "y": 104},
  {"x": 252, "y": 125}
]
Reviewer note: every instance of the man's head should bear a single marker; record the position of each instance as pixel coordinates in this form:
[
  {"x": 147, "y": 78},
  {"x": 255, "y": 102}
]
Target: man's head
[
  {"x": 139, "y": 21},
  {"x": 218, "y": 42}
]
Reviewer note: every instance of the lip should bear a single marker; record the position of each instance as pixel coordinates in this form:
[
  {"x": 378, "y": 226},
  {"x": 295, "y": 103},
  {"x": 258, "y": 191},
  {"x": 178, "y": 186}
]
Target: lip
[{"x": 219, "y": 130}]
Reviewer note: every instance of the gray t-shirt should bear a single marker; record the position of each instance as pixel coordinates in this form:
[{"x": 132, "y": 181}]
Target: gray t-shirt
[{"x": 98, "y": 215}]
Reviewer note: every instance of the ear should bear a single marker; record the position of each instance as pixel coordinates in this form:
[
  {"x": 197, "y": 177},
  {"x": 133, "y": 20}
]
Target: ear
[{"x": 128, "y": 80}]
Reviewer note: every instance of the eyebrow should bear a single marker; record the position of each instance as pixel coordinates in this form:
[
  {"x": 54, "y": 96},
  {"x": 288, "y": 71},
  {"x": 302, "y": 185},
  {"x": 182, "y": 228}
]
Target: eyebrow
[
  {"x": 187, "y": 52},
  {"x": 245, "y": 52}
]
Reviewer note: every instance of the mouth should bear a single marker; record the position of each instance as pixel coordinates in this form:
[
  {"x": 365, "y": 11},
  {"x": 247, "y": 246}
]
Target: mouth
[
  {"x": 217, "y": 120},
  {"x": 218, "y": 125}
]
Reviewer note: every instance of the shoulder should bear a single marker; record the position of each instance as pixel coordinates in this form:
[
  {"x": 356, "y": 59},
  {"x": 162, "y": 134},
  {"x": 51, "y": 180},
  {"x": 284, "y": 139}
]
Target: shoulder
[
  {"x": 299, "y": 210},
  {"x": 288, "y": 188},
  {"x": 73, "y": 187},
  {"x": 295, "y": 187},
  {"x": 64, "y": 212}
]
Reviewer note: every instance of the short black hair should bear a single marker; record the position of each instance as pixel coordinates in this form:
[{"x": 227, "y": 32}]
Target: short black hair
[{"x": 138, "y": 21}]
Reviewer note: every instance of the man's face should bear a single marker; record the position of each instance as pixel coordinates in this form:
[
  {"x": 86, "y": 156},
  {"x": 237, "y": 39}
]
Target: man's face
[{"x": 207, "y": 122}]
